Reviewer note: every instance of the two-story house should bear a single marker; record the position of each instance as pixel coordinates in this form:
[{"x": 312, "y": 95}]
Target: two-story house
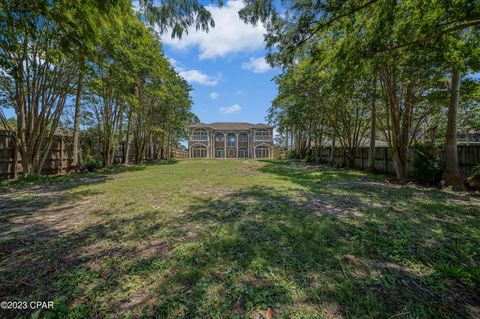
[{"x": 230, "y": 140}]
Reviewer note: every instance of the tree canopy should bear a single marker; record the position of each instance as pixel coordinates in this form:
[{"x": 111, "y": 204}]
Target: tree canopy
[
  {"x": 101, "y": 55},
  {"x": 349, "y": 63}
]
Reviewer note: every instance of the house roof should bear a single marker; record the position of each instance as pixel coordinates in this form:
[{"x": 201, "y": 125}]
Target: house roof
[
  {"x": 366, "y": 143},
  {"x": 230, "y": 125}
]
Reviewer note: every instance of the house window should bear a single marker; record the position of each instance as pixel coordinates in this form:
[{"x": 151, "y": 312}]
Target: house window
[
  {"x": 262, "y": 135},
  {"x": 199, "y": 152},
  {"x": 262, "y": 152},
  {"x": 242, "y": 152},
  {"x": 219, "y": 138},
  {"x": 200, "y": 135},
  {"x": 243, "y": 138},
  {"x": 219, "y": 153},
  {"x": 231, "y": 140}
]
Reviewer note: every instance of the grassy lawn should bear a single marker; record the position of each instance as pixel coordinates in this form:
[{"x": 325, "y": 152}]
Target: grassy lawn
[{"x": 228, "y": 239}]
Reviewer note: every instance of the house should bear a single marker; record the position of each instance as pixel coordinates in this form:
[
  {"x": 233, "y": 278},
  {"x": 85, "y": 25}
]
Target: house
[{"x": 230, "y": 140}]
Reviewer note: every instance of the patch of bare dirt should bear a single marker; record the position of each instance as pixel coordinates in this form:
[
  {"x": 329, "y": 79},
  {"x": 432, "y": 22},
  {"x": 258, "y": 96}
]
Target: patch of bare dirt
[
  {"x": 333, "y": 208},
  {"x": 309, "y": 167}
]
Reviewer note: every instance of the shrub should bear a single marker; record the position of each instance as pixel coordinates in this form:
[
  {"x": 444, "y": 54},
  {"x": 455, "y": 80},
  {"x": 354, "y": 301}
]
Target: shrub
[
  {"x": 90, "y": 164},
  {"x": 427, "y": 167},
  {"x": 311, "y": 158},
  {"x": 291, "y": 154},
  {"x": 474, "y": 180}
]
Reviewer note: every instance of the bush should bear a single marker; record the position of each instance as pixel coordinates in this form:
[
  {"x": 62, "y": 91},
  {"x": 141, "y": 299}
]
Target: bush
[
  {"x": 291, "y": 154},
  {"x": 427, "y": 167},
  {"x": 90, "y": 164},
  {"x": 474, "y": 180}
]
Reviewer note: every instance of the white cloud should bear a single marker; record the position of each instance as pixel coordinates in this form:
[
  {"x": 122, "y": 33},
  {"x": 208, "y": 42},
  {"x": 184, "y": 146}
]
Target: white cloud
[
  {"x": 235, "y": 108},
  {"x": 136, "y": 6},
  {"x": 173, "y": 62},
  {"x": 240, "y": 92},
  {"x": 214, "y": 95},
  {"x": 257, "y": 65},
  {"x": 230, "y": 34},
  {"x": 196, "y": 76}
]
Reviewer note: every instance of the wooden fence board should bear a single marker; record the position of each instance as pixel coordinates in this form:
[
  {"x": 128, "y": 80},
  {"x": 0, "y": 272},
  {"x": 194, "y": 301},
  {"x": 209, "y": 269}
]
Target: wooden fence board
[
  {"x": 59, "y": 158},
  {"x": 468, "y": 157}
]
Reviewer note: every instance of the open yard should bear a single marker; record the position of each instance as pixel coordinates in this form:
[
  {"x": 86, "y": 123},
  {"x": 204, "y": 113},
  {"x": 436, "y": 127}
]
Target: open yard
[{"x": 231, "y": 239}]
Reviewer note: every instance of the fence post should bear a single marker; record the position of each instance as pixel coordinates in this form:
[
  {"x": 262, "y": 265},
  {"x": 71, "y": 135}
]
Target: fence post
[
  {"x": 386, "y": 159},
  {"x": 62, "y": 146},
  {"x": 361, "y": 156},
  {"x": 15, "y": 157}
]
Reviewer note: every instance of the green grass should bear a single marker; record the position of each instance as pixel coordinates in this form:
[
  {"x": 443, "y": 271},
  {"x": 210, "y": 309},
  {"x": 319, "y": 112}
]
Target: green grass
[{"x": 228, "y": 239}]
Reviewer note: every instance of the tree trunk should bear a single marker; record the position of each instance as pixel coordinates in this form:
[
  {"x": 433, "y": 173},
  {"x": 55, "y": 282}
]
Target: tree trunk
[
  {"x": 127, "y": 141},
  {"x": 76, "y": 121},
  {"x": 286, "y": 139},
  {"x": 169, "y": 145},
  {"x": 399, "y": 164},
  {"x": 452, "y": 174},
  {"x": 332, "y": 149},
  {"x": 371, "y": 153}
]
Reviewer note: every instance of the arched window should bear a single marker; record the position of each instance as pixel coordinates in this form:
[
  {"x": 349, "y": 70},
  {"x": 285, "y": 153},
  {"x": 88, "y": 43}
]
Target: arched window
[
  {"x": 219, "y": 153},
  {"x": 262, "y": 152},
  {"x": 200, "y": 135},
  {"x": 219, "y": 138},
  {"x": 242, "y": 152},
  {"x": 243, "y": 138},
  {"x": 199, "y": 152},
  {"x": 262, "y": 135},
  {"x": 231, "y": 140}
]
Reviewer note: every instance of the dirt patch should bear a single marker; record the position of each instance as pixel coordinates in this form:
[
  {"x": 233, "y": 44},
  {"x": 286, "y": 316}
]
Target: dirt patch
[
  {"x": 309, "y": 167},
  {"x": 332, "y": 208}
]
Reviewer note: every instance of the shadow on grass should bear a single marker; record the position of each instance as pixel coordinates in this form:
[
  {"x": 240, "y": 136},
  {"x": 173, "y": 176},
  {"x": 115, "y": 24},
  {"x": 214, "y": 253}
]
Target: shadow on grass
[
  {"x": 354, "y": 265},
  {"x": 324, "y": 252},
  {"x": 31, "y": 194}
]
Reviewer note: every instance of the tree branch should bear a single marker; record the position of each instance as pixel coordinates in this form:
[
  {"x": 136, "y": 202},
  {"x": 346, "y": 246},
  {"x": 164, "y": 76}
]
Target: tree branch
[
  {"x": 320, "y": 26},
  {"x": 432, "y": 36}
]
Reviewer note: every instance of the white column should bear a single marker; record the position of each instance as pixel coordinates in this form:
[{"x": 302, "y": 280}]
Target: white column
[
  {"x": 236, "y": 156},
  {"x": 225, "y": 145},
  {"x": 209, "y": 137}
]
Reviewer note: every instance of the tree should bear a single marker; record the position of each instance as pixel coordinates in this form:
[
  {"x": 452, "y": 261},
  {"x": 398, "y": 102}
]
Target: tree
[
  {"x": 373, "y": 125},
  {"x": 37, "y": 51},
  {"x": 452, "y": 173},
  {"x": 176, "y": 16},
  {"x": 399, "y": 39}
]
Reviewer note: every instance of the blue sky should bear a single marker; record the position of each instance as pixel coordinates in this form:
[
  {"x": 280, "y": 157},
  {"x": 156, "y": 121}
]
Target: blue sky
[{"x": 226, "y": 67}]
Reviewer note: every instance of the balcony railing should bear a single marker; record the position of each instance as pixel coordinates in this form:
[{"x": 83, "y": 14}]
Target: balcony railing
[
  {"x": 263, "y": 138},
  {"x": 199, "y": 138}
]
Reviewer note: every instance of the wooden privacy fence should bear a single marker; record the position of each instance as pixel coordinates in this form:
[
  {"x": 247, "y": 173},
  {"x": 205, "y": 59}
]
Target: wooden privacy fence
[
  {"x": 57, "y": 161},
  {"x": 278, "y": 154},
  {"x": 176, "y": 153},
  {"x": 150, "y": 154},
  {"x": 468, "y": 156}
]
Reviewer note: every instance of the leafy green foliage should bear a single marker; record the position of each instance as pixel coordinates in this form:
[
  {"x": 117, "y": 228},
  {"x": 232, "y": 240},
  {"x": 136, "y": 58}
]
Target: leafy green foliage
[
  {"x": 427, "y": 164},
  {"x": 90, "y": 163},
  {"x": 330, "y": 51},
  {"x": 474, "y": 180}
]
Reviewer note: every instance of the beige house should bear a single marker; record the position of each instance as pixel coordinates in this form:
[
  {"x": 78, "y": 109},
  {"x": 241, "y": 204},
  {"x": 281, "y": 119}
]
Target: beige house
[{"x": 230, "y": 140}]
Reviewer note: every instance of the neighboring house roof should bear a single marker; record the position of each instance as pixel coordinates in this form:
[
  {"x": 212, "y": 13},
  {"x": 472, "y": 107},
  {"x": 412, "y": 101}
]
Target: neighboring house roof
[
  {"x": 366, "y": 143},
  {"x": 230, "y": 125}
]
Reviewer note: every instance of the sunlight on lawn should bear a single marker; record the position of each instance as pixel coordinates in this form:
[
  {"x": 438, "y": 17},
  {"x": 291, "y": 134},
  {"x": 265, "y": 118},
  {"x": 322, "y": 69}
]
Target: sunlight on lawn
[{"x": 228, "y": 239}]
